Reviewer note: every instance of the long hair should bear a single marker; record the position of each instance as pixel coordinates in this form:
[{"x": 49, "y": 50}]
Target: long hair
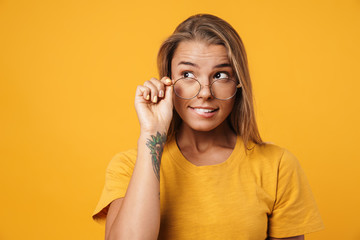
[{"x": 214, "y": 30}]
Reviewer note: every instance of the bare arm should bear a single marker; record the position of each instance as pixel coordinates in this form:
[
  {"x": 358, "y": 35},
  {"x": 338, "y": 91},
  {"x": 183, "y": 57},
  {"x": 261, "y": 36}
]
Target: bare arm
[
  {"x": 290, "y": 238},
  {"x": 137, "y": 215},
  {"x": 111, "y": 215}
]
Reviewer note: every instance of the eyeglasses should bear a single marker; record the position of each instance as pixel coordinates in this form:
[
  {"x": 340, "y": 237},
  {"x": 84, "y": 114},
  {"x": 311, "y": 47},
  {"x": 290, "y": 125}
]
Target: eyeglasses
[{"x": 222, "y": 89}]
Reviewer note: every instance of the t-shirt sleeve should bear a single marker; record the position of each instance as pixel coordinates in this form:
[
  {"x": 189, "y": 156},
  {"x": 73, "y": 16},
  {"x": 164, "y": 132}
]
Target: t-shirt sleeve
[
  {"x": 295, "y": 212},
  {"x": 117, "y": 178}
]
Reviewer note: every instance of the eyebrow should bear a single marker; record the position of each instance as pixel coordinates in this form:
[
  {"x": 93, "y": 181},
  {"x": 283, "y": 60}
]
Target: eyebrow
[{"x": 195, "y": 65}]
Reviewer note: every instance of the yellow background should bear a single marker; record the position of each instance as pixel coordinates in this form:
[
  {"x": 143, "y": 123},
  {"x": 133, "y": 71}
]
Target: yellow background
[{"x": 69, "y": 70}]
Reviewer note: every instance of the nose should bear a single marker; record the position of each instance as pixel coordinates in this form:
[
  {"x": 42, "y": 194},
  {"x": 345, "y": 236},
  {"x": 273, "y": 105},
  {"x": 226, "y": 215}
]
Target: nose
[{"x": 205, "y": 92}]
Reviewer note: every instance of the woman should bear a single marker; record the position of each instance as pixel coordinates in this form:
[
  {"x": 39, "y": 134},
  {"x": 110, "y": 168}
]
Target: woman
[{"x": 217, "y": 179}]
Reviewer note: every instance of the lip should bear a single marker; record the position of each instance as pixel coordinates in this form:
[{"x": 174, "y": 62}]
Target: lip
[{"x": 196, "y": 110}]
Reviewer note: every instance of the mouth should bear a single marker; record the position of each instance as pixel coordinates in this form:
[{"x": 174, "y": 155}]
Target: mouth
[{"x": 204, "y": 111}]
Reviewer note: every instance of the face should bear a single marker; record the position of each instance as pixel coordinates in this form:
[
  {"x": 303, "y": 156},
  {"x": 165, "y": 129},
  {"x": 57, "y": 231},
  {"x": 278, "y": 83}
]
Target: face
[{"x": 206, "y": 63}]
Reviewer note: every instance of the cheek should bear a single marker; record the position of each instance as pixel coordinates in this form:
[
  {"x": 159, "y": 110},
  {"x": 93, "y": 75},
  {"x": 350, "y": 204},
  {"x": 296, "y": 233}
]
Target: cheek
[
  {"x": 228, "y": 105},
  {"x": 179, "y": 104},
  {"x": 228, "y": 108}
]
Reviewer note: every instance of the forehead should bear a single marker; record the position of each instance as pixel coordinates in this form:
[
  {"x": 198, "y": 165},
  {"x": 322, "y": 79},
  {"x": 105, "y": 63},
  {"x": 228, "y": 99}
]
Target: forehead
[{"x": 200, "y": 53}]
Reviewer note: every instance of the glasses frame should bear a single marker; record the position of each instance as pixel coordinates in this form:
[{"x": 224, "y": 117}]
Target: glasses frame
[{"x": 209, "y": 85}]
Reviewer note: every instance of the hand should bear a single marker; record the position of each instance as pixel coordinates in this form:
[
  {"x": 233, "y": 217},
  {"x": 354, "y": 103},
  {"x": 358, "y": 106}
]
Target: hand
[{"x": 154, "y": 106}]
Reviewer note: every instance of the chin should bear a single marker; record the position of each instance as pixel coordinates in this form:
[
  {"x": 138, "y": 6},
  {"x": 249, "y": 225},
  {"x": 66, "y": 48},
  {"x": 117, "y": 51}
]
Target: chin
[{"x": 202, "y": 126}]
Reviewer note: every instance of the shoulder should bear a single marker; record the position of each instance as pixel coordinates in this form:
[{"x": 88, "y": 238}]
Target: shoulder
[
  {"x": 266, "y": 150},
  {"x": 272, "y": 156},
  {"x": 123, "y": 160}
]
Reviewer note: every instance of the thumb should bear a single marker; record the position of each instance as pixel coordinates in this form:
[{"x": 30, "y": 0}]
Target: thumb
[{"x": 169, "y": 93}]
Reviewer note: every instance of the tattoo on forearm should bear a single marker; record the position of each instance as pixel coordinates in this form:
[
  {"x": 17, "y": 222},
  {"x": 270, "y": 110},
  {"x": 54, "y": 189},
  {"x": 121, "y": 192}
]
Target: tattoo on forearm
[{"x": 156, "y": 146}]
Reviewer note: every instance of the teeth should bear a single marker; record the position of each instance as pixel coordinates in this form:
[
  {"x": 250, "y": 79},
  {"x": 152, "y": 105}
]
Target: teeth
[{"x": 202, "y": 110}]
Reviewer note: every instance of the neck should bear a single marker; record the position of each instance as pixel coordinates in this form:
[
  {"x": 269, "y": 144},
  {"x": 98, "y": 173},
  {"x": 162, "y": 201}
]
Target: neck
[{"x": 200, "y": 141}]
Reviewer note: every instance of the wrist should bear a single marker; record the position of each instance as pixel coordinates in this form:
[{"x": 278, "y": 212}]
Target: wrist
[
  {"x": 153, "y": 131},
  {"x": 150, "y": 135}
]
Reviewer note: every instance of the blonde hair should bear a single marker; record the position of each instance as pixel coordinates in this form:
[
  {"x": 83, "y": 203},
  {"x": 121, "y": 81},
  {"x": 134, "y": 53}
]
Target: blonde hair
[{"x": 214, "y": 30}]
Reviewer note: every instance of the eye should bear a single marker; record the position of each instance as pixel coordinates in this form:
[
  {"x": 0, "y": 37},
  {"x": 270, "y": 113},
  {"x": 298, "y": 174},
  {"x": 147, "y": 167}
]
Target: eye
[
  {"x": 221, "y": 75},
  {"x": 187, "y": 75}
]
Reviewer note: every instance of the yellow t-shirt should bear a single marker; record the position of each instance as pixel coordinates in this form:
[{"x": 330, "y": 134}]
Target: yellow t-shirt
[{"x": 252, "y": 195}]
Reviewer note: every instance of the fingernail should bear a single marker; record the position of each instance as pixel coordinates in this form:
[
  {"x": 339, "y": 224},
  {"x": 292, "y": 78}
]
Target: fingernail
[
  {"x": 155, "y": 99},
  {"x": 148, "y": 97},
  {"x": 168, "y": 81},
  {"x": 161, "y": 93}
]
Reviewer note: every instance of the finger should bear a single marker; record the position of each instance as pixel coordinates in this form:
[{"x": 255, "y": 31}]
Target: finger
[
  {"x": 168, "y": 85},
  {"x": 169, "y": 93},
  {"x": 166, "y": 80},
  {"x": 160, "y": 87},
  {"x": 153, "y": 91},
  {"x": 144, "y": 92}
]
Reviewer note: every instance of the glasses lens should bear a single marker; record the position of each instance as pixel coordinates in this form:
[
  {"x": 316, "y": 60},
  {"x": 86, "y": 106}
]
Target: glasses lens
[
  {"x": 223, "y": 88},
  {"x": 186, "y": 88}
]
